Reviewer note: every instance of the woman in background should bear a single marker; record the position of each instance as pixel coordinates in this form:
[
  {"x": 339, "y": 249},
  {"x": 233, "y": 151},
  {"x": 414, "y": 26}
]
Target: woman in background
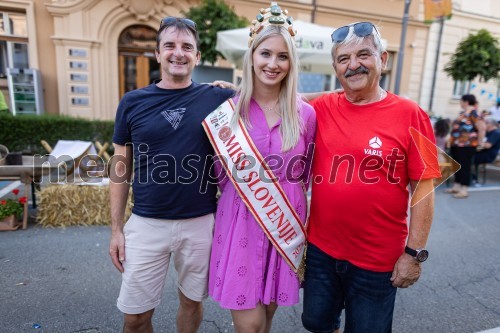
[{"x": 467, "y": 131}]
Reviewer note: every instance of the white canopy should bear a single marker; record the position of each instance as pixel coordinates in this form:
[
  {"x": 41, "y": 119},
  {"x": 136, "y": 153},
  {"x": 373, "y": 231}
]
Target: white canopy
[{"x": 313, "y": 46}]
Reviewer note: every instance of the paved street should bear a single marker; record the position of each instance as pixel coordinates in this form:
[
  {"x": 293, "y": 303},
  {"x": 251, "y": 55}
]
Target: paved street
[{"x": 63, "y": 281}]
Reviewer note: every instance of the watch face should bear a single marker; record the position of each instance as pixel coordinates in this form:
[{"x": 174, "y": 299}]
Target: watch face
[{"x": 422, "y": 255}]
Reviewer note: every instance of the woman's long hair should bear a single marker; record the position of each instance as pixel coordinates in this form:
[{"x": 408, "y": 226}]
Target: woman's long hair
[{"x": 291, "y": 122}]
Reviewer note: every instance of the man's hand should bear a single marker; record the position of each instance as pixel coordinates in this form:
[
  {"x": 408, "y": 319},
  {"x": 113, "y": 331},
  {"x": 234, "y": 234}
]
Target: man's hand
[
  {"x": 406, "y": 271},
  {"x": 117, "y": 250}
]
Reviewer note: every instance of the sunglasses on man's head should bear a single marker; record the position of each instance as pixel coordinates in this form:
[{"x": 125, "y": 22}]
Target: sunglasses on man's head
[
  {"x": 361, "y": 29},
  {"x": 170, "y": 20}
]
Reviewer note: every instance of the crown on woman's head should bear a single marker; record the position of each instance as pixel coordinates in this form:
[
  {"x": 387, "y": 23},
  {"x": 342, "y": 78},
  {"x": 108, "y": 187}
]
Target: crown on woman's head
[{"x": 268, "y": 16}]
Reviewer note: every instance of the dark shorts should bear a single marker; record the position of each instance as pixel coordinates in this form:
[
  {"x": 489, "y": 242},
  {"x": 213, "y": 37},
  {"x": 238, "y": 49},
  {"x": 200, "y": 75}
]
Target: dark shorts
[{"x": 331, "y": 285}]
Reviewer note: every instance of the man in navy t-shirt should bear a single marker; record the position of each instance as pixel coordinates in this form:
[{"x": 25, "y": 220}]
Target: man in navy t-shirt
[{"x": 159, "y": 140}]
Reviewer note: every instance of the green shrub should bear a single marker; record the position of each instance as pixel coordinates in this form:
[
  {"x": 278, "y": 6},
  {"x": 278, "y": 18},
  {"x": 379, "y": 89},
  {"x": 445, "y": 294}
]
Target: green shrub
[{"x": 24, "y": 133}]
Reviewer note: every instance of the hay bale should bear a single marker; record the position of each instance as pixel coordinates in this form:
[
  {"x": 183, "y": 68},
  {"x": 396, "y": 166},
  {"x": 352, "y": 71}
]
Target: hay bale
[{"x": 71, "y": 205}]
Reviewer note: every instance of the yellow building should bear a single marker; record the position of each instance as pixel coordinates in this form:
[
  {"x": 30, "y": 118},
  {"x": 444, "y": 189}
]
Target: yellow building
[{"x": 90, "y": 52}]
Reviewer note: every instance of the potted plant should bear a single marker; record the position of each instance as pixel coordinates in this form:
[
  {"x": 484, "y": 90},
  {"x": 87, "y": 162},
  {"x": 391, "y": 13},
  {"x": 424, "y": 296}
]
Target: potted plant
[{"x": 10, "y": 209}]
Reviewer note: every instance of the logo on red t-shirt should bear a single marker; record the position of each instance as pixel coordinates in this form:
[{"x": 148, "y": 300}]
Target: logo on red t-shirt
[{"x": 374, "y": 143}]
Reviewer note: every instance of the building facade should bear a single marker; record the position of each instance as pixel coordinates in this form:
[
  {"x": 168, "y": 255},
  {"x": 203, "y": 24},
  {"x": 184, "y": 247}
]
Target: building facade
[
  {"x": 90, "y": 52},
  {"x": 468, "y": 17}
]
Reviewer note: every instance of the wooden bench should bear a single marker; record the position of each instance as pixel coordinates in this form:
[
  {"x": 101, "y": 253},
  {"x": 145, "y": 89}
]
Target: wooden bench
[{"x": 483, "y": 167}]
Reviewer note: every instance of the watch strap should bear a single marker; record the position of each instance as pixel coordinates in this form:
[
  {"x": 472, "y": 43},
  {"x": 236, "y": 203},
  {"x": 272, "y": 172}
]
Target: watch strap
[
  {"x": 420, "y": 255},
  {"x": 411, "y": 251}
]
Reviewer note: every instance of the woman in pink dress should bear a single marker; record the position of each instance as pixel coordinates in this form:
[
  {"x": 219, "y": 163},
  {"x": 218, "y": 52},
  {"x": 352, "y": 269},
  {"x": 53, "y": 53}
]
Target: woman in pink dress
[{"x": 247, "y": 274}]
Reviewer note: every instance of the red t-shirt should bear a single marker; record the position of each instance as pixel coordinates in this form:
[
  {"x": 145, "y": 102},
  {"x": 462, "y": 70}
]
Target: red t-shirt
[{"x": 365, "y": 156}]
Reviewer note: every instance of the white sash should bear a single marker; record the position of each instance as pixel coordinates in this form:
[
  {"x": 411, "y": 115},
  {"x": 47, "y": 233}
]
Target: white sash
[{"x": 256, "y": 184}]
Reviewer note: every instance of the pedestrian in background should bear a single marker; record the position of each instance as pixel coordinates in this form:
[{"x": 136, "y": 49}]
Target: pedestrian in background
[
  {"x": 467, "y": 131},
  {"x": 488, "y": 149},
  {"x": 441, "y": 132}
]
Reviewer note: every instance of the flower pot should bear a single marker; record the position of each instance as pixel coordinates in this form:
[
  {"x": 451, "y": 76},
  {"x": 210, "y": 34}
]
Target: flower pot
[{"x": 9, "y": 223}]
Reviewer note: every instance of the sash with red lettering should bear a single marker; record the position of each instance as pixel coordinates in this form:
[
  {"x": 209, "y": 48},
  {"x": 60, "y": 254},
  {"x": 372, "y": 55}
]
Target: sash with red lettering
[{"x": 256, "y": 184}]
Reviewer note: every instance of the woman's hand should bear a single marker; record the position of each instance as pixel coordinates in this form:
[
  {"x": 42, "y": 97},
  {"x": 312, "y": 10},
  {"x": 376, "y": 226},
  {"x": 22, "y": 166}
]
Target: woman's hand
[
  {"x": 223, "y": 84},
  {"x": 313, "y": 95}
]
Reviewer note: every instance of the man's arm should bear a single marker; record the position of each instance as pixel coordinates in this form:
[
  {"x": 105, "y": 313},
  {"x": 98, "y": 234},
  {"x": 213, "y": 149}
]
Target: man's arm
[
  {"x": 486, "y": 145},
  {"x": 305, "y": 96},
  {"x": 119, "y": 185},
  {"x": 407, "y": 270},
  {"x": 308, "y": 97},
  {"x": 313, "y": 95},
  {"x": 492, "y": 140}
]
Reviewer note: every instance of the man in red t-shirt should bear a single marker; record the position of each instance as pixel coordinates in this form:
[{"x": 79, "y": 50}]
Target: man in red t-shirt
[{"x": 370, "y": 145}]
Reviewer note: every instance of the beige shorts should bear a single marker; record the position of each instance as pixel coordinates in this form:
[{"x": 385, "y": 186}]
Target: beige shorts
[{"x": 149, "y": 243}]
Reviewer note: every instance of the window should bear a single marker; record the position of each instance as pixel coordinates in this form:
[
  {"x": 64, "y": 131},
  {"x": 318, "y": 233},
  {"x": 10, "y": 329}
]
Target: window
[
  {"x": 13, "y": 42},
  {"x": 13, "y": 24},
  {"x": 460, "y": 88}
]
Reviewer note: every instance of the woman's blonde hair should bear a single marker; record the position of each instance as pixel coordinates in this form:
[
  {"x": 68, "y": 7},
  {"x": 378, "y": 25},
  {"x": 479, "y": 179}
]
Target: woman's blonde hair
[{"x": 289, "y": 104}]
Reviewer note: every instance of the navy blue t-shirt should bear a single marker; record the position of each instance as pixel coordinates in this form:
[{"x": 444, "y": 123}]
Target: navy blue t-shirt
[
  {"x": 172, "y": 154},
  {"x": 493, "y": 137}
]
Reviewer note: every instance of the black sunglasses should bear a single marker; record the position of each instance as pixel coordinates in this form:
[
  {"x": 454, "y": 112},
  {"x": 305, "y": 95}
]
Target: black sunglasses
[
  {"x": 171, "y": 20},
  {"x": 361, "y": 29}
]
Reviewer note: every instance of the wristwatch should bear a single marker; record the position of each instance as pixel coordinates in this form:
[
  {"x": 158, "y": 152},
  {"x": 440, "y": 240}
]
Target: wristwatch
[{"x": 419, "y": 255}]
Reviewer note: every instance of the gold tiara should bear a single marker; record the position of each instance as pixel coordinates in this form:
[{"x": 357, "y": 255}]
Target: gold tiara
[{"x": 268, "y": 16}]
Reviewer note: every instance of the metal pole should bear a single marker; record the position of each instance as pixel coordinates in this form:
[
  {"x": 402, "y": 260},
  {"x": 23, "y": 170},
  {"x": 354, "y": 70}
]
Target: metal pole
[
  {"x": 402, "y": 47},
  {"x": 313, "y": 13},
  {"x": 434, "y": 74}
]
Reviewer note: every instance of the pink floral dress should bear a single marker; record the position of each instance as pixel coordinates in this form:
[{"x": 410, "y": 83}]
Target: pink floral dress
[{"x": 245, "y": 268}]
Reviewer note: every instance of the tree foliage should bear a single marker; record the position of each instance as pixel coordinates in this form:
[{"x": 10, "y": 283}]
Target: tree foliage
[
  {"x": 476, "y": 55},
  {"x": 212, "y": 16}
]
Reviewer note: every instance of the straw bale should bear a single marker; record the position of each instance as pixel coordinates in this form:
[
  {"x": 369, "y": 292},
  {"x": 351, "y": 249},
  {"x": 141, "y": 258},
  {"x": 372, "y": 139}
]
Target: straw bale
[{"x": 71, "y": 205}]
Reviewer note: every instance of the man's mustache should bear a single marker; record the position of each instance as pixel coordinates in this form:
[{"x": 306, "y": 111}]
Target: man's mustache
[{"x": 360, "y": 70}]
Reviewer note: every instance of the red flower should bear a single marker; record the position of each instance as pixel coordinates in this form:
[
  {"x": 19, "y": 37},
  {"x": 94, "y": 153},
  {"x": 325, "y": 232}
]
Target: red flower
[
  {"x": 11, "y": 207},
  {"x": 15, "y": 191}
]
